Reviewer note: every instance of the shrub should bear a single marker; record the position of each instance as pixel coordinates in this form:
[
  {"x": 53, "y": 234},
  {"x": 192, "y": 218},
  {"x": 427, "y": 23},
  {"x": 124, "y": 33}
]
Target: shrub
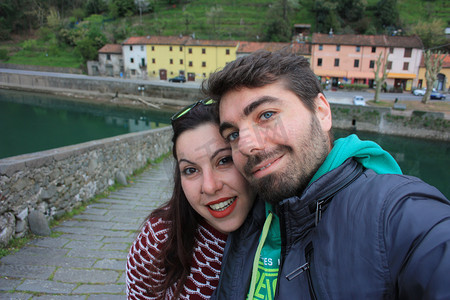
[
  {"x": 354, "y": 86},
  {"x": 4, "y": 54}
]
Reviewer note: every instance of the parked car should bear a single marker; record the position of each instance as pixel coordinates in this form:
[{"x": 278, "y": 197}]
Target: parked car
[
  {"x": 437, "y": 95},
  {"x": 179, "y": 78},
  {"x": 419, "y": 92},
  {"x": 359, "y": 100}
]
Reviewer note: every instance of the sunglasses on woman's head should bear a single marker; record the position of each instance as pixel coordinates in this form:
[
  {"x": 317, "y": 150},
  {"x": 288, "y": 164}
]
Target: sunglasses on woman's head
[{"x": 191, "y": 106}]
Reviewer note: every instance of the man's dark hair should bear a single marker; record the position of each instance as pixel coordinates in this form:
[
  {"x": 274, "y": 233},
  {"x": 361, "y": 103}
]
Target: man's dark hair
[{"x": 262, "y": 68}]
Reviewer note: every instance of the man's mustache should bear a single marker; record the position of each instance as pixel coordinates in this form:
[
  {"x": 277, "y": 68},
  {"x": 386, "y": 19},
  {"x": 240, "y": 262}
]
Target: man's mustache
[{"x": 256, "y": 159}]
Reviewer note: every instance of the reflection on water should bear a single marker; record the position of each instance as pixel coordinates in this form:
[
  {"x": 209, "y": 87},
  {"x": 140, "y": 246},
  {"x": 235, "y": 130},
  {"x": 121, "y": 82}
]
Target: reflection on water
[
  {"x": 426, "y": 159},
  {"x": 34, "y": 122}
]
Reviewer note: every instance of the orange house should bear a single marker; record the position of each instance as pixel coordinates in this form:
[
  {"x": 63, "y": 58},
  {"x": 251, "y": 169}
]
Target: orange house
[{"x": 352, "y": 58}]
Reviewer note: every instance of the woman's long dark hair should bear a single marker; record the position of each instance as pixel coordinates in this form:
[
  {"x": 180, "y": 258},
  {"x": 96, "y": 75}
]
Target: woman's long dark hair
[{"x": 176, "y": 254}]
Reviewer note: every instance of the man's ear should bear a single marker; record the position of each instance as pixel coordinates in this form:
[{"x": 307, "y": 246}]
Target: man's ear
[{"x": 323, "y": 112}]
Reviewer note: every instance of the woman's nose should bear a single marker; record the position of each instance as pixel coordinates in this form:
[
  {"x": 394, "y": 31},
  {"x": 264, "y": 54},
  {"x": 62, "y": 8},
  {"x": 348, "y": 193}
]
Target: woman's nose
[{"x": 212, "y": 182}]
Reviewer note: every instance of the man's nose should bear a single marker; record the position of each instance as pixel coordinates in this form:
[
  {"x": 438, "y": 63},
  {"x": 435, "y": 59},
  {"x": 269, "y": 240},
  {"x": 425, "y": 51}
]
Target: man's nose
[
  {"x": 250, "y": 141},
  {"x": 212, "y": 182}
]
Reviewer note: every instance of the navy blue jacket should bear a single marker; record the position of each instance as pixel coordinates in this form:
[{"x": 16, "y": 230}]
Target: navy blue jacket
[{"x": 353, "y": 234}]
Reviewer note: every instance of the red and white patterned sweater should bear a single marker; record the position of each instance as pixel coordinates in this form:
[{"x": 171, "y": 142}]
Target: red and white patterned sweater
[{"x": 205, "y": 267}]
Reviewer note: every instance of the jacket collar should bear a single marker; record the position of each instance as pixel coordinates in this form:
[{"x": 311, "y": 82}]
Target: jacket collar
[{"x": 298, "y": 215}]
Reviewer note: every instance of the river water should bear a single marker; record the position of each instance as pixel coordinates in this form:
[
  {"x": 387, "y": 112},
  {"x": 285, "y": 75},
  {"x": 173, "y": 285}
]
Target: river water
[{"x": 34, "y": 122}]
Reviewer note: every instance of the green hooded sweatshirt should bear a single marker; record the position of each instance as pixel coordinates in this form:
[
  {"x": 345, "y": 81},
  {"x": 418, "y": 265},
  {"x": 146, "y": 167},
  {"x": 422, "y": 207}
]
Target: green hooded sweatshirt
[{"x": 267, "y": 257}]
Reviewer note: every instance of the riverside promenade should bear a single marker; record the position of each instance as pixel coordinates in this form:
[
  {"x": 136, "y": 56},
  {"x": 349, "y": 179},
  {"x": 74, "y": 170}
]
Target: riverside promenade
[{"x": 85, "y": 257}]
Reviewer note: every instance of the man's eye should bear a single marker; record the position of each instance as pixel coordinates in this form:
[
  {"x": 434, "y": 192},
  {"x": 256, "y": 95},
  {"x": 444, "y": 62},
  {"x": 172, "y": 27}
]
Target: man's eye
[
  {"x": 233, "y": 136},
  {"x": 266, "y": 115}
]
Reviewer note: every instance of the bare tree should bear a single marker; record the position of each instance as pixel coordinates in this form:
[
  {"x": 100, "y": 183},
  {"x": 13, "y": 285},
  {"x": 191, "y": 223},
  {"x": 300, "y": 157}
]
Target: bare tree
[
  {"x": 380, "y": 65},
  {"x": 214, "y": 18},
  {"x": 433, "y": 64}
]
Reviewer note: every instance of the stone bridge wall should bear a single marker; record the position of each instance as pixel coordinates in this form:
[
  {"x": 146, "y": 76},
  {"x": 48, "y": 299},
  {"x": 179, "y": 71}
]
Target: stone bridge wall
[{"x": 56, "y": 181}]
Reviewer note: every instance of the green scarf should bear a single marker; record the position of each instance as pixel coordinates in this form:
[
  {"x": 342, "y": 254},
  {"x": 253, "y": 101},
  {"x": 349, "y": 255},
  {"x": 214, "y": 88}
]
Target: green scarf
[{"x": 368, "y": 153}]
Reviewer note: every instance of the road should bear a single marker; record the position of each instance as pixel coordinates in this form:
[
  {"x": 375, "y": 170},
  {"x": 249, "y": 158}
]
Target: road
[
  {"x": 347, "y": 96},
  {"x": 332, "y": 96}
]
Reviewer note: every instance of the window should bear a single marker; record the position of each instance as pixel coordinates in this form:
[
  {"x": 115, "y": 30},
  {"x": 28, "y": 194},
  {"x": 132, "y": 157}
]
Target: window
[
  {"x": 338, "y": 47},
  {"x": 336, "y": 62},
  {"x": 142, "y": 48},
  {"x": 374, "y": 49},
  {"x": 133, "y": 72},
  {"x": 131, "y": 48},
  {"x": 405, "y": 66},
  {"x": 319, "y": 62},
  {"x": 227, "y": 51},
  {"x": 372, "y": 64},
  {"x": 108, "y": 56},
  {"x": 190, "y": 50},
  {"x": 131, "y": 60},
  {"x": 408, "y": 52},
  {"x": 153, "y": 48},
  {"x": 190, "y": 64},
  {"x": 153, "y": 61},
  {"x": 203, "y": 64},
  {"x": 181, "y": 48},
  {"x": 320, "y": 47},
  {"x": 358, "y": 48},
  {"x": 181, "y": 61},
  {"x": 391, "y": 50},
  {"x": 171, "y": 61},
  {"x": 143, "y": 62},
  {"x": 203, "y": 51},
  {"x": 356, "y": 63},
  {"x": 389, "y": 65}
]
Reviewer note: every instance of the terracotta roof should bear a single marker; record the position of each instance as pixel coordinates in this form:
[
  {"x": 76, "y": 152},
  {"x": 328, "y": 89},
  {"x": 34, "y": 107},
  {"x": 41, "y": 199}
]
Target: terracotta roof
[
  {"x": 298, "y": 48},
  {"x": 156, "y": 40},
  {"x": 111, "y": 48},
  {"x": 367, "y": 40},
  {"x": 194, "y": 42},
  {"x": 445, "y": 64}
]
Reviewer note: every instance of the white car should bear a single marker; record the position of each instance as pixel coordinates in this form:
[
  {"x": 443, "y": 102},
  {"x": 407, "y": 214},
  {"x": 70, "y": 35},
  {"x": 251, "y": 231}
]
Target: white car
[
  {"x": 359, "y": 100},
  {"x": 419, "y": 92}
]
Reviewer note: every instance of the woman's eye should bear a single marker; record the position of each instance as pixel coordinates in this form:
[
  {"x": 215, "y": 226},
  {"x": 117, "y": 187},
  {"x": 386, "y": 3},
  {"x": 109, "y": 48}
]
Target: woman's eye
[
  {"x": 266, "y": 115},
  {"x": 225, "y": 160},
  {"x": 233, "y": 136},
  {"x": 189, "y": 171}
]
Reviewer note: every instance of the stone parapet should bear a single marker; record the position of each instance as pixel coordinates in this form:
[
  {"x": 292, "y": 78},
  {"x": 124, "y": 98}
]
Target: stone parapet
[{"x": 56, "y": 181}]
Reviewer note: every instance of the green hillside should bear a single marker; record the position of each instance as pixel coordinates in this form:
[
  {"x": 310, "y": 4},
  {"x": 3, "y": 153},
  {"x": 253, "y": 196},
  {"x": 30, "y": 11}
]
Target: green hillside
[{"x": 69, "y": 32}]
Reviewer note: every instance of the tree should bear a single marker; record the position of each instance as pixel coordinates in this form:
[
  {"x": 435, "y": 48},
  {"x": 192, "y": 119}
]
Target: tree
[
  {"x": 326, "y": 16},
  {"x": 386, "y": 12},
  {"x": 188, "y": 18},
  {"x": 431, "y": 33},
  {"x": 121, "y": 8},
  {"x": 351, "y": 10},
  {"x": 277, "y": 27},
  {"x": 380, "y": 65},
  {"x": 95, "y": 7},
  {"x": 214, "y": 18},
  {"x": 433, "y": 65}
]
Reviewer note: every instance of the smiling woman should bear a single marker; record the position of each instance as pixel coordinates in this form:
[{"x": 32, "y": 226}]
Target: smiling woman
[{"x": 178, "y": 253}]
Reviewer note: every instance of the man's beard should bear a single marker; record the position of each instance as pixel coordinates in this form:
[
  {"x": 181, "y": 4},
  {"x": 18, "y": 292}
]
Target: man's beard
[{"x": 295, "y": 178}]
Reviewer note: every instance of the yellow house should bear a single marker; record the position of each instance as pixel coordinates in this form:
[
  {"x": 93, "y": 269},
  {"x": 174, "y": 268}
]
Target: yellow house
[
  {"x": 169, "y": 56},
  {"x": 442, "y": 83},
  {"x": 204, "y": 57},
  {"x": 166, "y": 56}
]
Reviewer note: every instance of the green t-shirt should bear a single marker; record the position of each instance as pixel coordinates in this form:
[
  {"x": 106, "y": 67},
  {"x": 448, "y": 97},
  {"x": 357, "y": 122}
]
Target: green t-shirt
[{"x": 269, "y": 262}]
